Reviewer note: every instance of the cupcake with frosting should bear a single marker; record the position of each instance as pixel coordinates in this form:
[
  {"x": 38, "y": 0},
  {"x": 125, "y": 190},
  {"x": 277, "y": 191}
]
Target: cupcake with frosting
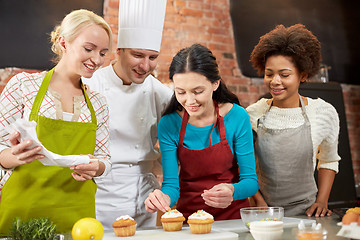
[
  {"x": 124, "y": 226},
  {"x": 172, "y": 220},
  {"x": 200, "y": 222}
]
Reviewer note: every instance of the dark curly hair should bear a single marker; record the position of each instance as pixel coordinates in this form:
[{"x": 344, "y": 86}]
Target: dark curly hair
[
  {"x": 199, "y": 59},
  {"x": 296, "y": 42}
]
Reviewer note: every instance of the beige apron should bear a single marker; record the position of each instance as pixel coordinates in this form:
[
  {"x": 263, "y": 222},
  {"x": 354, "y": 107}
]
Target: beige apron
[
  {"x": 34, "y": 190},
  {"x": 285, "y": 166}
]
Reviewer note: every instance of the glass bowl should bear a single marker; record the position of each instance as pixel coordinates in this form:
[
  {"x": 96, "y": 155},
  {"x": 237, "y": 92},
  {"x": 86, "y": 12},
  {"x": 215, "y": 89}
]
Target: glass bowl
[{"x": 251, "y": 214}]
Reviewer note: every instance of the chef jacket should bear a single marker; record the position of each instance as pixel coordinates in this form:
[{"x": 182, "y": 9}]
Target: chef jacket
[{"x": 134, "y": 112}]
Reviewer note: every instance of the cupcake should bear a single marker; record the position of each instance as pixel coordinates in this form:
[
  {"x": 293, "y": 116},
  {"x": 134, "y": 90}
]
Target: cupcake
[
  {"x": 200, "y": 222},
  {"x": 124, "y": 226},
  {"x": 172, "y": 220}
]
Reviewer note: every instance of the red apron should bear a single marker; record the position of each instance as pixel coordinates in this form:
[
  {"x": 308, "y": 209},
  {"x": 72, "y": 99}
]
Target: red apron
[{"x": 202, "y": 169}]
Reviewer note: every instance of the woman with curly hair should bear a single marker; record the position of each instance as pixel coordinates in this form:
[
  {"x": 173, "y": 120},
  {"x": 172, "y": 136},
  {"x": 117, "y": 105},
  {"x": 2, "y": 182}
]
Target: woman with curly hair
[{"x": 293, "y": 131}]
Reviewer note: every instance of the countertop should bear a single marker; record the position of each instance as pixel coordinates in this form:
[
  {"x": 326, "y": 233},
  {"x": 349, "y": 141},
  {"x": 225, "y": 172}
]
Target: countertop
[
  {"x": 232, "y": 229},
  {"x": 227, "y": 227}
]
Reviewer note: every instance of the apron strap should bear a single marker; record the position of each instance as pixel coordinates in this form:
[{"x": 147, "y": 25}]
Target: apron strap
[
  {"x": 92, "y": 111},
  {"x": 219, "y": 122},
  {"x": 41, "y": 94},
  {"x": 307, "y": 121},
  {"x": 183, "y": 127}
]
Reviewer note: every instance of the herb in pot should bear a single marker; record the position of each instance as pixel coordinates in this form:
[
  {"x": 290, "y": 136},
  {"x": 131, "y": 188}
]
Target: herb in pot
[{"x": 33, "y": 229}]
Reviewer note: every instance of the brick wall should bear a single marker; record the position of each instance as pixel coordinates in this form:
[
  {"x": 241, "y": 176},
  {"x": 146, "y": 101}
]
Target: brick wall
[
  {"x": 351, "y": 95},
  {"x": 208, "y": 22}
]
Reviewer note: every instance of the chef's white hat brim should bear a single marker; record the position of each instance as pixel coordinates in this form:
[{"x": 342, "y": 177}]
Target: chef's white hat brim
[{"x": 141, "y": 24}]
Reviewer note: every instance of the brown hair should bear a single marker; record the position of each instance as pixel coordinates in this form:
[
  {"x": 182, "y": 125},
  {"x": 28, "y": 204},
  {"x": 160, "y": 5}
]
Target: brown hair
[
  {"x": 296, "y": 42},
  {"x": 199, "y": 59}
]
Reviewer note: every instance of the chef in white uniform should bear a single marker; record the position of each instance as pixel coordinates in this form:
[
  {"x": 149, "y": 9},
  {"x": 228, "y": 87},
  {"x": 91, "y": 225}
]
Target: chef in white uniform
[{"x": 136, "y": 101}]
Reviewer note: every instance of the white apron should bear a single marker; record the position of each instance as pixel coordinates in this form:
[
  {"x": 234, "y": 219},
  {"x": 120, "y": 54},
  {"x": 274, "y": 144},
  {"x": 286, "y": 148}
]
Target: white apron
[
  {"x": 134, "y": 111},
  {"x": 285, "y": 166},
  {"x": 123, "y": 192}
]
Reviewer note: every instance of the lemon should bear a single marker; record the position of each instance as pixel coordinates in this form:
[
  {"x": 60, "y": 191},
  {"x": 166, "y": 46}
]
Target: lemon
[{"x": 87, "y": 229}]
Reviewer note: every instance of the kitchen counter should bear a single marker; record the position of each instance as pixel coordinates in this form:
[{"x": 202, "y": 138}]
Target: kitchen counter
[{"x": 226, "y": 229}]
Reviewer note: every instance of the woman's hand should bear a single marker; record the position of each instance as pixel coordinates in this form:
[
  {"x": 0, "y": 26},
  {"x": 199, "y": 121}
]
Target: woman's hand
[
  {"x": 325, "y": 181},
  {"x": 219, "y": 196},
  {"x": 319, "y": 210},
  {"x": 87, "y": 171},
  {"x": 19, "y": 153},
  {"x": 157, "y": 200}
]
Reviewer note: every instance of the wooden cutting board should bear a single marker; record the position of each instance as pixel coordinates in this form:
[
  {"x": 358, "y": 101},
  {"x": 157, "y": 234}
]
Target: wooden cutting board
[{"x": 184, "y": 234}]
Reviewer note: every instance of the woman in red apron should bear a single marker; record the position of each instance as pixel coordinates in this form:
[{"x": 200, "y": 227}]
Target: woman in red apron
[
  {"x": 69, "y": 122},
  {"x": 206, "y": 134},
  {"x": 293, "y": 131}
]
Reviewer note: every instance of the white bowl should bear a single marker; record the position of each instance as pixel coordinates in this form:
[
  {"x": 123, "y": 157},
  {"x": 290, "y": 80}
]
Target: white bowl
[
  {"x": 266, "y": 226},
  {"x": 266, "y": 235},
  {"x": 266, "y": 230}
]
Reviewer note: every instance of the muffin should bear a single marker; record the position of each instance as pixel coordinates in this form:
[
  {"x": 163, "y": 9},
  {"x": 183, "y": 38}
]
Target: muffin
[
  {"x": 200, "y": 222},
  {"x": 172, "y": 220},
  {"x": 124, "y": 226}
]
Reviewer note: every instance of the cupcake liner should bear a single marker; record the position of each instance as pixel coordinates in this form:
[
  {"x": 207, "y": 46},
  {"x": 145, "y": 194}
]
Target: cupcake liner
[
  {"x": 125, "y": 231},
  {"x": 172, "y": 226},
  {"x": 200, "y": 228}
]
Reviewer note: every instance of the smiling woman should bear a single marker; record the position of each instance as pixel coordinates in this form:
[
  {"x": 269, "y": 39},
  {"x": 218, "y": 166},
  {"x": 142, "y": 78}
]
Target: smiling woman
[
  {"x": 207, "y": 133},
  {"x": 194, "y": 92},
  {"x": 59, "y": 103},
  {"x": 293, "y": 131},
  {"x": 282, "y": 78}
]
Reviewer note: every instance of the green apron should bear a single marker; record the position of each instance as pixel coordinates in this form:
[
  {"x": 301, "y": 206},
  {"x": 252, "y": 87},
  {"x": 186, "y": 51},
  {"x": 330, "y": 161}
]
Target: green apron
[{"x": 34, "y": 190}]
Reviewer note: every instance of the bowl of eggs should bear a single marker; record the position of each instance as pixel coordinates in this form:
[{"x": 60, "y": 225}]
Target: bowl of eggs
[{"x": 251, "y": 214}]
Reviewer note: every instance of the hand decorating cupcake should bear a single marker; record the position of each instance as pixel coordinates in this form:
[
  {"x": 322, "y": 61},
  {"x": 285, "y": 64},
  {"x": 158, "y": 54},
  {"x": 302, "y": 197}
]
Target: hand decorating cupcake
[
  {"x": 124, "y": 226},
  {"x": 172, "y": 220},
  {"x": 200, "y": 222}
]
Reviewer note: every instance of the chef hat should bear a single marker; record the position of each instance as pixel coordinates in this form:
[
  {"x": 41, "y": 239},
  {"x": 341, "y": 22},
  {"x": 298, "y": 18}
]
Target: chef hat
[{"x": 141, "y": 24}]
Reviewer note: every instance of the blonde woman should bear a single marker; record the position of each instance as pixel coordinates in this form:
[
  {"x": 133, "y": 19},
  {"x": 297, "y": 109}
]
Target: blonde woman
[{"x": 70, "y": 121}]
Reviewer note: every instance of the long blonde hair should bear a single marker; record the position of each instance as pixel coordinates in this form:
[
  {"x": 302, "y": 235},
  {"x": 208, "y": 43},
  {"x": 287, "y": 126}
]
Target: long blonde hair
[{"x": 72, "y": 25}]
